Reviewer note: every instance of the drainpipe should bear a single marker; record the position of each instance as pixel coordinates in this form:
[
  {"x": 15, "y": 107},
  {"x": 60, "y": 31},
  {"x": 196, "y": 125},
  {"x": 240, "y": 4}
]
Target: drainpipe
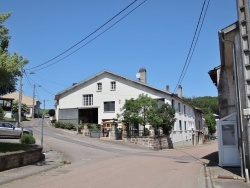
[{"x": 238, "y": 109}]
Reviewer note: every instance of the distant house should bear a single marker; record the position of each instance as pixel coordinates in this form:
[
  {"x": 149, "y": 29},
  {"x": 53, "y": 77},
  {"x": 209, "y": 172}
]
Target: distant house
[
  {"x": 100, "y": 98},
  {"x": 9, "y": 98}
]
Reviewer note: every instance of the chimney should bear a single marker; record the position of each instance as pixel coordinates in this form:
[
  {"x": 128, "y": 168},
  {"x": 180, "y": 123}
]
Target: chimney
[
  {"x": 143, "y": 77},
  {"x": 180, "y": 91},
  {"x": 167, "y": 88}
]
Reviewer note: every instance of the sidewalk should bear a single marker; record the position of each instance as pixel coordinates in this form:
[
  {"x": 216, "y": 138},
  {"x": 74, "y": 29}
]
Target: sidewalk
[
  {"x": 52, "y": 160},
  {"x": 229, "y": 177}
]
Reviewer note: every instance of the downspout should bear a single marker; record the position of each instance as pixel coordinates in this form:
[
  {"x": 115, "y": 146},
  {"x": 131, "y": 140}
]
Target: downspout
[{"x": 238, "y": 108}]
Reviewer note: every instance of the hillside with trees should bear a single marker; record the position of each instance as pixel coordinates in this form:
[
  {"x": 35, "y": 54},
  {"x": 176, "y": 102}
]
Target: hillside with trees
[{"x": 209, "y": 105}]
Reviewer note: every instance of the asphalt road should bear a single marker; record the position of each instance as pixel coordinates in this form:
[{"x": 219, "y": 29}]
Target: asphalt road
[{"x": 99, "y": 163}]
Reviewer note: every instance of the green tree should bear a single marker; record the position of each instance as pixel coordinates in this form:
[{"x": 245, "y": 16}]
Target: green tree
[
  {"x": 166, "y": 118},
  {"x": 210, "y": 120},
  {"x": 15, "y": 107},
  {"x": 9, "y": 64},
  {"x": 207, "y": 104},
  {"x": 1, "y": 112},
  {"x": 144, "y": 110}
]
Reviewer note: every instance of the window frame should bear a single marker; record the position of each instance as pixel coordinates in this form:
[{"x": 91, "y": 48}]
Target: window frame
[
  {"x": 88, "y": 101},
  {"x": 180, "y": 125},
  {"x": 99, "y": 86},
  {"x": 113, "y": 86},
  {"x": 111, "y": 104}
]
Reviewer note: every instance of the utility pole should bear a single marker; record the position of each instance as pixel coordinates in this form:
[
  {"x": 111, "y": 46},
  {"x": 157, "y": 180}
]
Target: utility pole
[
  {"x": 33, "y": 110},
  {"x": 42, "y": 123},
  {"x": 20, "y": 98}
]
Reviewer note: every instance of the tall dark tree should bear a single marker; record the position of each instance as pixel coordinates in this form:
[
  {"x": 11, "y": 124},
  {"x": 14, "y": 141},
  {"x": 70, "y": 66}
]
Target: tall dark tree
[{"x": 9, "y": 64}]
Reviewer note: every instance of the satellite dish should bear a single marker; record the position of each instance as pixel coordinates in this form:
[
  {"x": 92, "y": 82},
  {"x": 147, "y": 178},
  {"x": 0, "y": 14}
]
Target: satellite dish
[{"x": 138, "y": 75}]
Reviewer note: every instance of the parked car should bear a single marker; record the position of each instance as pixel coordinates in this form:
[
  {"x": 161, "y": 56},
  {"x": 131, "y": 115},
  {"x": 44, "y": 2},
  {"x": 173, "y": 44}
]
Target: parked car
[
  {"x": 213, "y": 137},
  {"x": 9, "y": 130},
  {"x": 46, "y": 115}
]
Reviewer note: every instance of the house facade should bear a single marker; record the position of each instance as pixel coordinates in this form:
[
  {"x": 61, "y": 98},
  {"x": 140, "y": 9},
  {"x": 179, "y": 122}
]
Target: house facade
[
  {"x": 33, "y": 105},
  {"x": 229, "y": 78},
  {"x": 100, "y": 98}
]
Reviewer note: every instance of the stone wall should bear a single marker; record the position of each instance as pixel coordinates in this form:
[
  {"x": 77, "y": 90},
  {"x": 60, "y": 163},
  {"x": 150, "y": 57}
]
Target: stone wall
[
  {"x": 151, "y": 142},
  {"x": 21, "y": 158}
]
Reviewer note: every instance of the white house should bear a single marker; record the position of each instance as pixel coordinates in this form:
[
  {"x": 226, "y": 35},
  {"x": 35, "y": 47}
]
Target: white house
[{"x": 101, "y": 97}]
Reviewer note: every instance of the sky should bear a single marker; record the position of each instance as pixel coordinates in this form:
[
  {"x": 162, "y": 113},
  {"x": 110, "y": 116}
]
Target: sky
[{"x": 156, "y": 36}]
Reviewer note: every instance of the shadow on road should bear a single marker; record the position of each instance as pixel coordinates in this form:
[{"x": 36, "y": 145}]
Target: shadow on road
[{"x": 214, "y": 161}]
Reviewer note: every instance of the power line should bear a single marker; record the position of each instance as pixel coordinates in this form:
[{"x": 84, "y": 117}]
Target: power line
[
  {"x": 191, "y": 49},
  {"x": 195, "y": 41},
  {"x": 85, "y": 37},
  {"x": 91, "y": 39}
]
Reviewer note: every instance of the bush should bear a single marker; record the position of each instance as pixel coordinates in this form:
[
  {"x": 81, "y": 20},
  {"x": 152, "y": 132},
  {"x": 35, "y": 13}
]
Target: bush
[
  {"x": 63, "y": 125},
  {"x": 1, "y": 112},
  {"x": 52, "y": 112},
  {"x": 27, "y": 139},
  {"x": 94, "y": 127}
]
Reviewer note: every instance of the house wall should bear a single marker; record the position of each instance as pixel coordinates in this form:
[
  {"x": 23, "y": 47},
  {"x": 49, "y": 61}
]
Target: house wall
[
  {"x": 126, "y": 89},
  {"x": 181, "y": 135}
]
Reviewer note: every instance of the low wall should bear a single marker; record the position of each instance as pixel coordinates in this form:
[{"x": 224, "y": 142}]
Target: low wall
[
  {"x": 151, "y": 142},
  {"x": 21, "y": 158}
]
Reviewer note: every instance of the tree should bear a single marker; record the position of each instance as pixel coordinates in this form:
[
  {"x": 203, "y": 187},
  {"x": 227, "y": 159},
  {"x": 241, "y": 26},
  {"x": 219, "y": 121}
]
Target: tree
[
  {"x": 207, "y": 104},
  {"x": 15, "y": 107},
  {"x": 210, "y": 120},
  {"x": 9, "y": 64},
  {"x": 1, "y": 112},
  {"x": 164, "y": 118},
  {"x": 52, "y": 112},
  {"x": 144, "y": 110}
]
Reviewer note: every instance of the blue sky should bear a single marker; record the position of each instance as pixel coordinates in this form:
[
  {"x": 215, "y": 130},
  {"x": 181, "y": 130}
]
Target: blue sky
[{"x": 156, "y": 36}]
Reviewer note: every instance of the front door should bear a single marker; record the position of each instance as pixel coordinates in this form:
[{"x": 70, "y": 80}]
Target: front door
[{"x": 230, "y": 152}]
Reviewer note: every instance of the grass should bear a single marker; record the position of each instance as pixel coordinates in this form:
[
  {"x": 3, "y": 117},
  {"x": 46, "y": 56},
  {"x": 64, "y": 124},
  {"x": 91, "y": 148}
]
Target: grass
[{"x": 8, "y": 147}]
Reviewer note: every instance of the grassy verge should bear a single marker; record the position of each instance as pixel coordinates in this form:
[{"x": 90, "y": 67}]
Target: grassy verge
[{"x": 8, "y": 147}]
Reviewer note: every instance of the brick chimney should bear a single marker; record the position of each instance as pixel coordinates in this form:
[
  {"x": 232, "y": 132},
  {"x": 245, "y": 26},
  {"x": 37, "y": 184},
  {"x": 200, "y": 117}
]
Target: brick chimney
[{"x": 143, "y": 76}]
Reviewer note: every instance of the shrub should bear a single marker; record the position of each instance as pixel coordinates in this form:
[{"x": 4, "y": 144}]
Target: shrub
[
  {"x": 1, "y": 112},
  {"x": 27, "y": 139},
  {"x": 94, "y": 127},
  {"x": 52, "y": 112}
]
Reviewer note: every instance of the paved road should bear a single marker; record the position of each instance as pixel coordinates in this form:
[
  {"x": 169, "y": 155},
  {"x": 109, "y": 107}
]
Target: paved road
[{"x": 98, "y": 163}]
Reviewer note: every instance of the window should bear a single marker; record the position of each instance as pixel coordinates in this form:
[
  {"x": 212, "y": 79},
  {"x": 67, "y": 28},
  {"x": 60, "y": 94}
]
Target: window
[
  {"x": 99, "y": 86},
  {"x": 180, "y": 126},
  {"x": 113, "y": 85},
  {"x": 173, "y": 104},
  {"x": 87, "y": 100},
  {"x": 185, "y": 125},
  {"x": 184, "y": 109},
  {"x": 109, "y": 106},
  {"x": 160, "y": 102},
  {"x": 179, "y": 107}
]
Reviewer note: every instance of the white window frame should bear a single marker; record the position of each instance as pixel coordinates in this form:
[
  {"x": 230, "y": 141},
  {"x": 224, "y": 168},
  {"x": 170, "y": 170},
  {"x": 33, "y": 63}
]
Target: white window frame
[
  {"x": 88, "y": 100},
  {"x": 179, "y": 107},
  {"x": 113, "y": 85},
  {"x": 99, "y": 86}
]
